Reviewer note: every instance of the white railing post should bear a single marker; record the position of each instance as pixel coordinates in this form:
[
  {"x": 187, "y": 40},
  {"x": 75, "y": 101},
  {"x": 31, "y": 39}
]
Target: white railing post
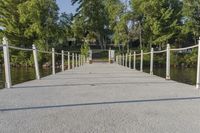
[
  {"x": 68, "y": 65},
  {"x": 35, "y": 56},
  {"x": 126, "y": 63},
  {"x": 117, "y": 60},
  {"x": 129, "y": 60},
  {"x": 84, "y": 60},
  {"x": 79, "y": 60},
  {"x": 198, "y": 67},
  {"x": 72, "y": 60},
  {"x": 151, "y": 62},
  {"x": 7, "y": 63},
  {"x": 76, "y": 60},
  {"x": 141, "y": 61},
  {"x": 109, "y": 59},
  {"x": 123, "y": 60},
  {"x": 53, "y": 61},
  {"x": 134, "y": 61},
  {"x": 120, "y": 59},
  {"x": 168, "y": 63},
  {"x": 63, "y": 61}
]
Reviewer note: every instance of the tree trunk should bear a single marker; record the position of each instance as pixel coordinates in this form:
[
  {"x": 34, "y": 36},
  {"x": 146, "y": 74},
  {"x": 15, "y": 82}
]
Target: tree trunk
[
  {"x": 195, "y": 41},
  {"x": 119, "y": 47},
  {"x": 99, "y": 40},
  {"x": 140, "y": 35}
]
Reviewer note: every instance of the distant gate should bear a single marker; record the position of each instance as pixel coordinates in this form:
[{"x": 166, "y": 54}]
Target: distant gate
[{"x": 99, "y": 55}]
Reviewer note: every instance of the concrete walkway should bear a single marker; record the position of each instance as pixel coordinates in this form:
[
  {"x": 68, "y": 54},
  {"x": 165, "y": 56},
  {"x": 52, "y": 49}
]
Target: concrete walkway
[{"x": 100, "y": 98}]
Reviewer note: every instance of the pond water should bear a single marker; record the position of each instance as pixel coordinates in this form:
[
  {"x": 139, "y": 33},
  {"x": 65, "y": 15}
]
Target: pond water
[
  {"x": 183, "y": 75},
  {"x": 19, "y": 75},
  {"x": 22, "y": 74}
]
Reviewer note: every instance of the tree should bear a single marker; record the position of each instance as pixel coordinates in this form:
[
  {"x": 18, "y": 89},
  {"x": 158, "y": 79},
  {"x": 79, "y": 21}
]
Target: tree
[
  {"x": 115, "y": 11},
  {"x": 160, "y": 19},
  {"x": 191, "y": 13},
  {"x": 40, "y": 18},
  {"x": 64, "y": 29},
  {"x": 93, "y": 15},
  {"x": 10, "y": 23}
]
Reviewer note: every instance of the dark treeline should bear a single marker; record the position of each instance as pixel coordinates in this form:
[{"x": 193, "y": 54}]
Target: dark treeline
[{"x": 134, "y": 24}]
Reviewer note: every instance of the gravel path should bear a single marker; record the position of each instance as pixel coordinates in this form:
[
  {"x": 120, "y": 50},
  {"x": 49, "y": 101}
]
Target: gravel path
[{"x": 100, "y": 98}]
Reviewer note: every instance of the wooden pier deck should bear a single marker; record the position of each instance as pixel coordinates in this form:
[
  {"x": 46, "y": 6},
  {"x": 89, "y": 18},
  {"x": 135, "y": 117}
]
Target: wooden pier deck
[{"x": 100, "y": 98}]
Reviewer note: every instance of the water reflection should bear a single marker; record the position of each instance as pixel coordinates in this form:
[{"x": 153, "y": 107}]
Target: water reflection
[{"x": 23, "y": 74}]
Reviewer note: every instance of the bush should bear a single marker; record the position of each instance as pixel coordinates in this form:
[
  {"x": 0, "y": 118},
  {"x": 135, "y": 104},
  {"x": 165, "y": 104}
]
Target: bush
[{"x": 84, "y": 49}]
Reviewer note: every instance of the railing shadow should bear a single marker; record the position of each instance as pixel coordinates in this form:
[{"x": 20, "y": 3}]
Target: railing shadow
[
  {"x": 93, "y": 84},
  {"x": 94, "y": 77},
  {"x": 98, "y": 103}
]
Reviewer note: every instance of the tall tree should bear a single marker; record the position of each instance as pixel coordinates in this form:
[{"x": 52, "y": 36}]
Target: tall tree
[
  {"x": 191, "y": 13},
  {"x": 94, "y": 18},
  {"x": 41, "y": 17},
  {"x": 65, "y": 28},
  {"x": 117, "y": 23},
  {"x": 160, "y": 19},
  {"x": 10, "y": 24}
]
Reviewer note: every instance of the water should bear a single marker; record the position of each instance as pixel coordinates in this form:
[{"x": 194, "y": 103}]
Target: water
[
  {"x": 22, "y": 74},
  {"x": 183, "y": 75}
]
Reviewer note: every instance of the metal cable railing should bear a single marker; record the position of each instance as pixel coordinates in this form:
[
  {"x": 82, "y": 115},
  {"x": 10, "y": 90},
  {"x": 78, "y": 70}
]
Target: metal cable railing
[
  {"x": 76, "y": 60},
  {"x": 122, "y": 59},
  {"x": 44, "y": 52},
  {"x": 147, "y": 53},
  {"x": 186, "y": 48},
  {"x": 158, "y": 52},
  {"x": 18, "y": 48}
]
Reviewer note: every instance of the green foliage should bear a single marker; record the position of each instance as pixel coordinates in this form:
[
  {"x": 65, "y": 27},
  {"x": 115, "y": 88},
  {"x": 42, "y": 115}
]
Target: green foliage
[
  {"x": 20, "y": 58},
  {"x": 85, "y": 49},
  {"x": 27, "y": 22},
  {"x": 191, "y": 59},
  {"x": 191, "y": 13},
  {"x": 13, "y": 29},
  {"x": 160, "y": 19},
  {"x": 93, "y": 18},
  {"x": 40, "y": 17}
]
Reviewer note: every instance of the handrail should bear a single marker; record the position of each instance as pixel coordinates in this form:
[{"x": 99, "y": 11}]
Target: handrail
[
  {"x": 77, "y": 59},
  {"x": 147, "y": 53},
  {"x": 186, "y": 48},
  {"x": 161, "y": 51},
  {"x": 138, "y": 54},
  {"x": 18, "y": 48},
  {"x": 58, "y": 53},
  {"x": 44, "y": 52},
  {"x": 120, "y": 59}
]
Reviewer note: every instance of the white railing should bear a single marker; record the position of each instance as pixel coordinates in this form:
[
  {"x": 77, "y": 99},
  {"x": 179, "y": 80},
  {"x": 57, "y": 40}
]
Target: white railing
[
  {"x": 79, "y": 60},
  {"x": 120, "y": 59}
]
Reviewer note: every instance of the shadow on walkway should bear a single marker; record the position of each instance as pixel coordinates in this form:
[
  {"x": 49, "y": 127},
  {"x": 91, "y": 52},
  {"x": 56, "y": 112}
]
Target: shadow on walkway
[
  {"x": 99, "y": 103},
  {"x": 94, "y": 84},
  {"x": 94, "y": 77}
]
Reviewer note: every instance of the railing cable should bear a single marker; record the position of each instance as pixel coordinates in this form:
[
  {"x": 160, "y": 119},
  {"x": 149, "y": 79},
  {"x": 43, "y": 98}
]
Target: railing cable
[
  {"x": 17, "y": 48},
  {"x": 186, "y": 48}
]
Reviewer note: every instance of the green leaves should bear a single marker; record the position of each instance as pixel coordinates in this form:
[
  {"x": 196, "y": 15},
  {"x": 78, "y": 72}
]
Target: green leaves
[
  {"x": 160, "y": 19},
  {"x": 191, "y": 12}
]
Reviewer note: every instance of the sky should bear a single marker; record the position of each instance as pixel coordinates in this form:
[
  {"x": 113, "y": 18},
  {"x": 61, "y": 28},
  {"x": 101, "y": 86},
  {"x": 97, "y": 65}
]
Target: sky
[{"x": 66, "y": 6}]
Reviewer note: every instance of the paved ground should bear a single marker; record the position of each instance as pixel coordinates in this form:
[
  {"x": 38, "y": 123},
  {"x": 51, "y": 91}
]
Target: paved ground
[{"x": 100, "y": 98}]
